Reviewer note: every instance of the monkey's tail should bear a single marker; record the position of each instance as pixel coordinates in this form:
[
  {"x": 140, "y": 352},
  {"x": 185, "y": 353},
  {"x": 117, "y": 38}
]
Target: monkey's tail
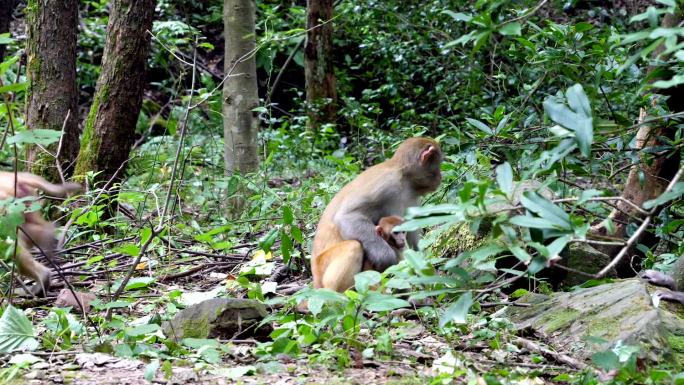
[{"x": 52, "y": 189}]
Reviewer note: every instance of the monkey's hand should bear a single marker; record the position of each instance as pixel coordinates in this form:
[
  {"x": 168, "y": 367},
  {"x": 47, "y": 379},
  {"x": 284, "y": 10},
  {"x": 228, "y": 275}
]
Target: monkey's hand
[
  {"x": 659, "y": 279},
  {"x": 673, "y": 296}
]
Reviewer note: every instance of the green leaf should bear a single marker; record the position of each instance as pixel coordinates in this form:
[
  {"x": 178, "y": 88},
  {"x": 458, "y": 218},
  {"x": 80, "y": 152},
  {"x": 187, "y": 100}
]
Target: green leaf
[
  {"x": 14, "y": 87},
  {"x": 577, "y": 100},
  {"x": 139, "y": 283},
  {"x": 458, "y": 16},
  {"x": 532, "y": 222},
  {"x": 128, "y": 249},
  {"x": 16, "y": 331},
  {"x": 151, "y": 370},
  {"x": 605, "y": 360},
  {"x": 420, "y": 223},
  {"x": 504, "y": 177},
  {"x": 36, "y": 136},
  {"x": 458, "y": 311},
  {"x": 288, "y": 216},
  {"x": 546, "y": 209},
  {"x": 196, "y": 343},
  {"x": 511, "y": 29},
  {"x": 141, "y": 330},
  {"x": 383, "y": 302},
  {"x": 364, "y": 280},
  {"x": 480, "y": 126},
  {"x": 520, "y": 253},
  {"x": 5, "y": 38}
]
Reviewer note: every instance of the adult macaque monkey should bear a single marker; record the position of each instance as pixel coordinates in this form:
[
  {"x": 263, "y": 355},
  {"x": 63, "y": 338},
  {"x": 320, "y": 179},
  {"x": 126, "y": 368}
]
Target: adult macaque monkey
[
  {"x": 35, "y": 231},
  {"x": 385, "y": 189}
]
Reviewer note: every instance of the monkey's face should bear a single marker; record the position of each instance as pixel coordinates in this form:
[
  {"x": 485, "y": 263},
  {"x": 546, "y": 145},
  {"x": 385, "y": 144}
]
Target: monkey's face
[{"x": 397, "y": 240}]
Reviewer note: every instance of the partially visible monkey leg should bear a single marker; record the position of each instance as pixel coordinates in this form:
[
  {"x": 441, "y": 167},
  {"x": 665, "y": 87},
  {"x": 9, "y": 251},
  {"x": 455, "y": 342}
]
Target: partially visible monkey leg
[
  {"x": 339, "y": 263},
  {"x": 33, "y": 269}
]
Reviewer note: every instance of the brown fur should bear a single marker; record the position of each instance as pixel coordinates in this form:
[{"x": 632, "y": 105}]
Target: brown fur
[{"x": 35, "y": 231}]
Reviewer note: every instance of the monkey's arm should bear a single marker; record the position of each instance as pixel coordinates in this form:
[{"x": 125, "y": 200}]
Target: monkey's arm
[
  {"x": 359, "y": 227},
  {"x": 674, "y": 296},
  {"x": 412, "y": 239},
  {"x": 659, "y": 279}
]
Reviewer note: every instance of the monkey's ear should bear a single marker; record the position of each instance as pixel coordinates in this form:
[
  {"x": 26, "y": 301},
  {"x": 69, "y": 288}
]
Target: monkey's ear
[
  {"x": 378, "y": 230},
  {"x": 427, "y": 154}
]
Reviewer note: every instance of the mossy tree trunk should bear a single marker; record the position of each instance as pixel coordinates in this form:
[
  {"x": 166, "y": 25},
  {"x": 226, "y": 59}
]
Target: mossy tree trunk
[
  {"x": 319, "y": 74},
  {"x": 110, "y": 127},
  {"x": 240, "y": 97},
  {"x": 51, "y": 70},
  {"x": 6, "y": 9}
]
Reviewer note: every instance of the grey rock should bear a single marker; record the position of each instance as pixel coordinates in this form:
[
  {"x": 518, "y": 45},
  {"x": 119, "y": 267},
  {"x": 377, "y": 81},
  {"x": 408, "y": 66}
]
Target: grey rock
[{"x": 217, "y": 318}]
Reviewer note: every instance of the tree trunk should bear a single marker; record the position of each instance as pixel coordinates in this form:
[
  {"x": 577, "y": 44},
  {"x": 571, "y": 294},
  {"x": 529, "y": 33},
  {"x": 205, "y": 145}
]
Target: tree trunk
[
  {"x": 648, "y": 178},
  {"x": 321, "y": 94},
  {"x": 51, "y": 70},
  {"x": 110, "y": 127},
  {"x": 6, "y": 9},
  {"x": 240, "y": 95}
]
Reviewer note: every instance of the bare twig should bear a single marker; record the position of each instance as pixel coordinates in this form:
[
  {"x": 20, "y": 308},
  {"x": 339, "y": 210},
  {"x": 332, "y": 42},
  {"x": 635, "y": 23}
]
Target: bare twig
[{"x": 639, "y": 230}]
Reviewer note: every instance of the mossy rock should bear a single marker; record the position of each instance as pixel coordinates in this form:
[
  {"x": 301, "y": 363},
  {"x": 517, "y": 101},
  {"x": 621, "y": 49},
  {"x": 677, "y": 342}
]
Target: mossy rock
[
  {"x": 576, "y": 322},
  {"x": 218, "y": 318}
]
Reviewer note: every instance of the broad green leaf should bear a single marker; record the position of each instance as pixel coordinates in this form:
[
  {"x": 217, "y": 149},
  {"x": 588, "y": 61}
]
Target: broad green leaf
[
  {"x": 546, "y": 209},
  {"x": 511, "y": 29},
  {"x": 520, "y": 253},
  {"x": 480, "y": 126},
  {"x": 420, "y": 223},
  {"x": 532, "y": 222},
  {"x": 141, "y": 330},
  {"x": 458, "y": 311},
  {"x": 504, "y": 177},
  {"x": 5, "y": 38},
  {"x": 14, "y": 87},
  {"x": 458, "y": 16},
  {"x": 128, "y": 249},
  {"x": 383, "y": 302},
  {"x": 35, "y": 136},
  {"x": 139, "y": 283},
  {"x": 577, "y": 100},
  {"x": 151, "y": 370},
  {"x": 197, "y": 343},
  {"x": 288, "y": 216},
  {"x": 364, "y": 280},
  {"x": 16, "y": 331}
]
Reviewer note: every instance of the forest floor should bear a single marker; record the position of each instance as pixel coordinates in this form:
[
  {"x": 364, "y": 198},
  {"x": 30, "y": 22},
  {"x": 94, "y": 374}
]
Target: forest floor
[{"x": 417, "y": 356}]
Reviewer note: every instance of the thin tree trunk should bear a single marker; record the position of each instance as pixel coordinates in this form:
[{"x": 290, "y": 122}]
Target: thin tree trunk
[
  {"x": 6, "y": 9},
  {"x": 647, "y": 180},
  {"x": 110, "y": 127},
  {"x": 51, "y": 71},
  {"x": 240, "y": 97},
  {"x": 319, "y": 74}
]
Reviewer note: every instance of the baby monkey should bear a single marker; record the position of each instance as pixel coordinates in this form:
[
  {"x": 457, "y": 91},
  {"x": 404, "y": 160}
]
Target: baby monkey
[
  {"x": 35, "y": 231},
  {"x": 396, "y": 240}
]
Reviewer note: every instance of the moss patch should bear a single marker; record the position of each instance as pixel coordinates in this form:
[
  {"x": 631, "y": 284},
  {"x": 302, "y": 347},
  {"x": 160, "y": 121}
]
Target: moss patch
[{"x": 557, "y": 320}]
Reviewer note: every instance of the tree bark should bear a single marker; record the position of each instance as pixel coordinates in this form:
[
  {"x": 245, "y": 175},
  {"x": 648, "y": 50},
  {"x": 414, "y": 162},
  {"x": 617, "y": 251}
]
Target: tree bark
[
  {"x": 319, "y": 74},
  {"x": 6, "y": 9},
  {"x": 240, "y": 97},
  {"x": 110, "y": 127},
  {"x": 51, "y": 70}
]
